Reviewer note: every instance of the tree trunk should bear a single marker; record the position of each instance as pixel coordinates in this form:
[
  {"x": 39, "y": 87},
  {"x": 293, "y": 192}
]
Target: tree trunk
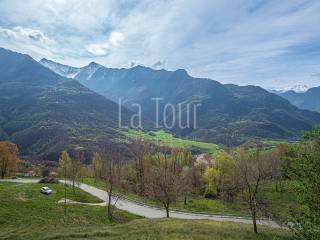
[
  {"x": 73, "y": 185},
  {"x": 185, "y": 201},
  {"x": 254, "y": 217},
  {"x": 109, "y": 203},
  {"x": 2, "y": 175},
  {"x": 166, "y": 205},
  {"x": 141, "y": 180}
]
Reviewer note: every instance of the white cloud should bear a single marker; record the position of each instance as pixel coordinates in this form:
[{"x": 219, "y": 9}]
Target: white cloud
[
  {"x": 159, "y": 64},
  {"x": 104, "y": 48},
  {"x": 116, "y": 38},
  {"x": 99, "y": 49},
  {"x": 25, "y": 34},
  {"x": 244, "y": 41}
]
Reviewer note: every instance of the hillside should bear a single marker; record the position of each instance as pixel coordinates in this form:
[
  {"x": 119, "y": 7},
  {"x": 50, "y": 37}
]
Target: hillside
[
  {"x": 163, "y": 138},
  {"x": 27, "y": 214},
  {"x": 228, "y": 114},
  {"x": 45, "y": 113}
]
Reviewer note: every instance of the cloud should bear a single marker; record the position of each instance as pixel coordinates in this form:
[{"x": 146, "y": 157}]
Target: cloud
[
  {"x": 104, "y": 48},
  {"x": 159, "y": 64},
  {"x": 116, "y": 38},
  {"x": 23, "y": 34},
  {"x": 99, "y": 49},
  {"x": 132, "y": 64},
  {"x": 244, "y": 41}
]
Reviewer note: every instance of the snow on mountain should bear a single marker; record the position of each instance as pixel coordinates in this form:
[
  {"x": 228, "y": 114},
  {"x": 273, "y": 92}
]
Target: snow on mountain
[
  {"x": 299, "y": 88},
  {"x": 63, "y": 70},
  {"x": 84, "y": 73},
  {"x": 87, "y": 71}
]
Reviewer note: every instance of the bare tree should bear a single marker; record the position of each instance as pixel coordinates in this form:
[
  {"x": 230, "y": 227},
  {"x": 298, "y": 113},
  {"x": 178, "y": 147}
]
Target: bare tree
[
  {"x": 8, "y": 158},
  {"x": 185, "y": 166},
  {"x": 111, "y": 165},
  {"x": 187, "y": 183},
  {"x": 141, "y": 153},
  {"x": 73, "y": 173},
  {"x": 165, "y": 183},
  {"x": 96, "y": 166},
  {"x": 64, "y": 168},
  {"x": 253, "y": 167},
  {"x": 79, "y": 159}
]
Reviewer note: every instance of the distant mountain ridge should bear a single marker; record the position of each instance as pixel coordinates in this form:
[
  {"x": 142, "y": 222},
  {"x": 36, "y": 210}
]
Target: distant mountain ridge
[
  {"x": 229, "y": 114},
  {"x": 300, "y": 88},
  {"x": 61, "y": 69},
  {"x": 45, "y": 113},
  {"x": 309, "y": 100}
]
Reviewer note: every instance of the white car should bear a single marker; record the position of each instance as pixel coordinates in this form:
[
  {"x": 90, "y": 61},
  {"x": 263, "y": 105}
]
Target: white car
[{"x": 46, "y": 190}]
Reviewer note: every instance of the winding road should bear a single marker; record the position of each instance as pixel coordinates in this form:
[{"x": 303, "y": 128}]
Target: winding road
[{"x": 154, "y": 212}]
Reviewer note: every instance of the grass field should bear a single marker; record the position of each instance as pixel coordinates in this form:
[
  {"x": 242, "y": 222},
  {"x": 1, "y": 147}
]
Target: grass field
[
  {"x": 167, "y": 139},
  {"x": 27, "y": 214},
  {"x": 173, "y": 229}
]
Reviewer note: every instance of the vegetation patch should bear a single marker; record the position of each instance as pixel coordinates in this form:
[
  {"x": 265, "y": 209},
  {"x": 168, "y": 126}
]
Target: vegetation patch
[
  {"x": 166, "y": 139},
  {"x": 28, "y": 214}
]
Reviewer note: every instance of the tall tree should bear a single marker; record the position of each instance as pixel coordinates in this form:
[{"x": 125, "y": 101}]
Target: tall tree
[
  {"x": 187, "y": 185},
  {"x": 187, "y": 168},
  {"x": 65, "y": 169},
  {"x": 253, "y": 167},
  {"x": 141, "y": 154},
  {"x": 76, "y": 167},
  {"x": 8, "y": 158},
  {"x": 97, "y": 165},
  {"x": 219, "y": 177},
  {"x": 165, "y": 183},
  {"x": 111, "y": 165}
]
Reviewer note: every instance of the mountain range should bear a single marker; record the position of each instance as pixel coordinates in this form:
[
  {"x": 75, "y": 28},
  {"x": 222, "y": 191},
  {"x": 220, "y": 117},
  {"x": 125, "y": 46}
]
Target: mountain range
[
  {"x": 305, "y": 100},
  {"x": 47, "y": 107},
  {"x": 299, "y": 88},
  {"x": 229, "y": 114},
  {"x": 44, "y": 112}
]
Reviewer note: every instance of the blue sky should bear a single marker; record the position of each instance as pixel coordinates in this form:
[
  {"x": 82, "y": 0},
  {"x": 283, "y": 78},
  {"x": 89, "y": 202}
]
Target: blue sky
[{"x": 266, "y": 43}]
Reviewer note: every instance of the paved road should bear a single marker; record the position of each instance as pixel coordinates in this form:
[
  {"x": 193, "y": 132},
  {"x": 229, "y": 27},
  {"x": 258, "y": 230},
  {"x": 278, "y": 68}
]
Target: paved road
[{"x": 153, "y": 212}]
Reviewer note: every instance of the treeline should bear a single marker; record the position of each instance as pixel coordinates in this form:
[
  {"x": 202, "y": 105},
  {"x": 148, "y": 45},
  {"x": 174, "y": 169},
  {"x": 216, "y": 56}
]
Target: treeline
[{"x": 168, "y": 175}]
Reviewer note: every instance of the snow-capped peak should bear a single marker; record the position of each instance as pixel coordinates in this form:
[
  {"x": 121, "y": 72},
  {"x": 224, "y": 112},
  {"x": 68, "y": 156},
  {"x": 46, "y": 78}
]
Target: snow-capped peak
[
  {"x": 89, "y": 70},
  {"x": 299, "y": 88},
  {"x": 63, "y": 70}
]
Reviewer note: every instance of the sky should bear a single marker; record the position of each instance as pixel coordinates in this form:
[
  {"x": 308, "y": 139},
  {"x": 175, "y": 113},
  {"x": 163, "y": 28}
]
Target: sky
[{"x": 265, "y": 43}]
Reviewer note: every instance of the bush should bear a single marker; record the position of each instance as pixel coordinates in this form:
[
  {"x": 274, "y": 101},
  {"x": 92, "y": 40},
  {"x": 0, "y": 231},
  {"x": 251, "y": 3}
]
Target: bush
[{"x": 49, "y": 180}]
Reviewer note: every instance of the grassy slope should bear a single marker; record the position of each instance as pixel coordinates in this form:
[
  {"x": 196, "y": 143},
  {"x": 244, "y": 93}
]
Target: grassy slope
[
  {"x": 25, "y": 212},
  {"x": 167, "y": 139},
  {"x": 173, "y": 229},
  {"x": 278, "y": 204}
]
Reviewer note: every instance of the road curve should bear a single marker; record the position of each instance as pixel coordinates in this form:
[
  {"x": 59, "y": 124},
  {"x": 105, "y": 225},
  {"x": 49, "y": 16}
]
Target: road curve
[{"x": 154, "y": 212}]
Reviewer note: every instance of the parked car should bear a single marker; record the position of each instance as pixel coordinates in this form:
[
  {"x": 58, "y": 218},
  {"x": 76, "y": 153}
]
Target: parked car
[{"x": 46, "y": 190}]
